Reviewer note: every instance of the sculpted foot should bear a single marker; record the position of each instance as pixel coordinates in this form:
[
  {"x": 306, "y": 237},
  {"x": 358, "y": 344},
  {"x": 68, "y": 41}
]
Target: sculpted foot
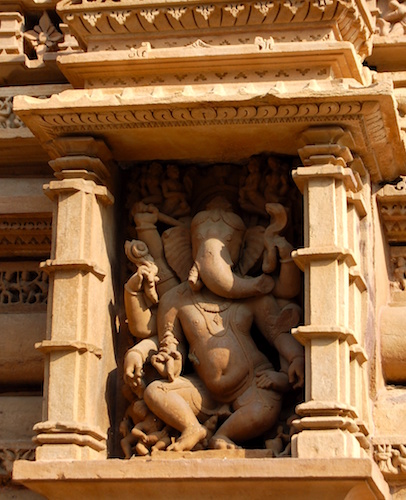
[
  {"x": 222, "y": 443},
  {"x": 126, "y": 447},
  {"x": 189, "y": 438}
]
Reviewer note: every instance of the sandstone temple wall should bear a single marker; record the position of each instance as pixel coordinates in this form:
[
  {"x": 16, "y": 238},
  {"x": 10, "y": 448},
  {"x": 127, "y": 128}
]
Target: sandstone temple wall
[{"x": 202, "y": 249}]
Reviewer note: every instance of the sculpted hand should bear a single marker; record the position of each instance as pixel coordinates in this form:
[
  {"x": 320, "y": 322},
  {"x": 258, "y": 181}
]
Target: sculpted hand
[
  {"x": 296, "y": 372},
  {"x": 135, "y": 282},
  {"x": 168, "y": 363},
  {"x": 133, "y": 365},
  {"x": 144, "y": 214},
  {"x": 270, "y": 379}
]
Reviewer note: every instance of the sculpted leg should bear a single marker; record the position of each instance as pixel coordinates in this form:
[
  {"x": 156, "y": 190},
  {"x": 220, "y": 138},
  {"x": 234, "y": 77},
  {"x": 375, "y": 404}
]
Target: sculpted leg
[
  {"x": 178, "y": 403},
  {"x": 256, "y": 411}
]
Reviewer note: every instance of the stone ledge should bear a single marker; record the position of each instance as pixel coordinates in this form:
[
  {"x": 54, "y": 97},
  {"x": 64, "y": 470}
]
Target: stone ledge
[{"x": 203, "y": 478}]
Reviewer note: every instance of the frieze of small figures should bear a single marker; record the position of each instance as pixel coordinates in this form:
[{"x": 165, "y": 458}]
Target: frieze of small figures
[
  {"x": 23, "y": 287},
  {"x": 391, "y": 458}
]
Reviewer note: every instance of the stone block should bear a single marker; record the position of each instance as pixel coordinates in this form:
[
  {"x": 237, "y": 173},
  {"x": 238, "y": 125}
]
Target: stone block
[
  {"x": 20, "y": 362},
  {"x": 18, "y": 415}
]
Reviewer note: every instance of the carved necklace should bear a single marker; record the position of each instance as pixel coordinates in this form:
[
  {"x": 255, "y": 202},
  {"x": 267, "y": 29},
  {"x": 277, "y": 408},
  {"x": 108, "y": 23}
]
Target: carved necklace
[{"x": 217, "y": 325}]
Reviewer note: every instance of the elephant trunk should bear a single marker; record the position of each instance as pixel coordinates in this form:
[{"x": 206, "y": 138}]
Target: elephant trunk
[{"x": 214, "y": 264}]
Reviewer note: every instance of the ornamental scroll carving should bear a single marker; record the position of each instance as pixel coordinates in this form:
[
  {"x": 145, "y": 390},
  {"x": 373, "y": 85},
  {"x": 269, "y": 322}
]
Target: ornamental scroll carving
[{"x": 210, "y": 302}]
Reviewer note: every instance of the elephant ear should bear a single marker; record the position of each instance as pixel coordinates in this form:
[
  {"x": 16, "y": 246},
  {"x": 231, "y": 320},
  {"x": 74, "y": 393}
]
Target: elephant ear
[
  {"x": 178, "y": 250},
  {"x": 253, "y": 248}
]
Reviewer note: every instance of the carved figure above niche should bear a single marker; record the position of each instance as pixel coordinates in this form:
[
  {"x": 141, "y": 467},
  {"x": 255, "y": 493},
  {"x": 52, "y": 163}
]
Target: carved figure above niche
[{"x": 211, "y": 301}]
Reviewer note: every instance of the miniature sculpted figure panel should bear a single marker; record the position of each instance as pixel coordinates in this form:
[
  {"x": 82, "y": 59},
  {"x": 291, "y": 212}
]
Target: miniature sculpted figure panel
[{"x": 211, "y": 303}]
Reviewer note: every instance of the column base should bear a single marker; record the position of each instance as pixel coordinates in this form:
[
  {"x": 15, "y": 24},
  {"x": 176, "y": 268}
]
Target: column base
[
  {"x": 328, "y": 443},
  {"x": 68, "y": 452}
]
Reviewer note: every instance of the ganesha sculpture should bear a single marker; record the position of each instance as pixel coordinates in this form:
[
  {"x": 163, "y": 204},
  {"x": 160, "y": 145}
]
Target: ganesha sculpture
[{"x": 200, "y": 289}]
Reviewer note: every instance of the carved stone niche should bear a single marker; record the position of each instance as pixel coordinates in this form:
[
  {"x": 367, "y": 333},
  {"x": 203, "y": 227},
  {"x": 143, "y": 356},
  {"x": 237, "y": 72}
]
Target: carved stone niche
[
  {"x": 392, "y": 205},
  {"x": 210, "y": 301}
]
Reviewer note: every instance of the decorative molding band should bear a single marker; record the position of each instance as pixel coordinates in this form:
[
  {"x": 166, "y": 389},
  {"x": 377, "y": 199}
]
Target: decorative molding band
[
  {"x": 305, "y": 256},
  {"x": 70, "y": 433},
  {"x": 78, "y": 180},
  {"x": 326, "y": 408},
  {"x": 307, "y": 332},
  {"x": 69, "y": 438},
  {"x": 62, "y": 122},
  {"x": 48, "y": 346},
  {"x": 51, "y": 266},
  {"x": 25, "y": 235},
  {"x": 136, "y": 109},
  {"x": 326, "y": 422}
]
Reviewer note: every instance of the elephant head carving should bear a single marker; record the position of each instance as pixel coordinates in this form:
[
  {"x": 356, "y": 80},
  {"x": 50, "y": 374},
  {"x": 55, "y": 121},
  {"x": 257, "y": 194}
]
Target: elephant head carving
[{"x": 214, "y": 250}]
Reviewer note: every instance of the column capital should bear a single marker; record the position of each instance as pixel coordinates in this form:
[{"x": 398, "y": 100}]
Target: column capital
[
  {"x": 54, "y": 188},
  {"x": 326, "y": 145},
  {"x": 80, "y": 157}
]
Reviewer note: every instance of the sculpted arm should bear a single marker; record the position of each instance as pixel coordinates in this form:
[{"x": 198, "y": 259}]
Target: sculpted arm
[
  {"x": 172, "y": 349},
  {"x": 275, "y": 325},
  {"x": 140, "y": 317},
  {"x": 287, "y": 285},
  {"x": 145, "y": 218}
]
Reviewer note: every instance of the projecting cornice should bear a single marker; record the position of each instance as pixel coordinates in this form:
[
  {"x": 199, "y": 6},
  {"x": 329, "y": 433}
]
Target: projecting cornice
[
  {"x": 216, "y": 122},
  {"x": 114, "y": 25}
]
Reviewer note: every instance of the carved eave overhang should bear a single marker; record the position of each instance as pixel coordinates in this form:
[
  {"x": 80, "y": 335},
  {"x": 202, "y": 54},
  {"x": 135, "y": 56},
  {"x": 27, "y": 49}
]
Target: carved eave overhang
[
  {"x": 388, "y": 53},
  {"x": 18, "y": 144},
  {"x": 29, "y": 5},
  {"x": 216, "y": 122},
  {"x": 183, "y": 41},
  {"x": 199, "y": 62},
  {"x": 115, "y": 24}
]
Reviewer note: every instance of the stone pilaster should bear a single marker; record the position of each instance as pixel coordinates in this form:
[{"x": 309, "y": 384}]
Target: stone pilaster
[
  {"x": 78, "y": 343},
  {"x": 331, "y": 411}
]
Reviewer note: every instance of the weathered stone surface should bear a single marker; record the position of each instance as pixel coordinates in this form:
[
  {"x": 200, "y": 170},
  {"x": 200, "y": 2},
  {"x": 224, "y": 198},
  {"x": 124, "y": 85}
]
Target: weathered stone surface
[
  {"x": 240, "y": 478},
  {"x": 172, "y": 105}
]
